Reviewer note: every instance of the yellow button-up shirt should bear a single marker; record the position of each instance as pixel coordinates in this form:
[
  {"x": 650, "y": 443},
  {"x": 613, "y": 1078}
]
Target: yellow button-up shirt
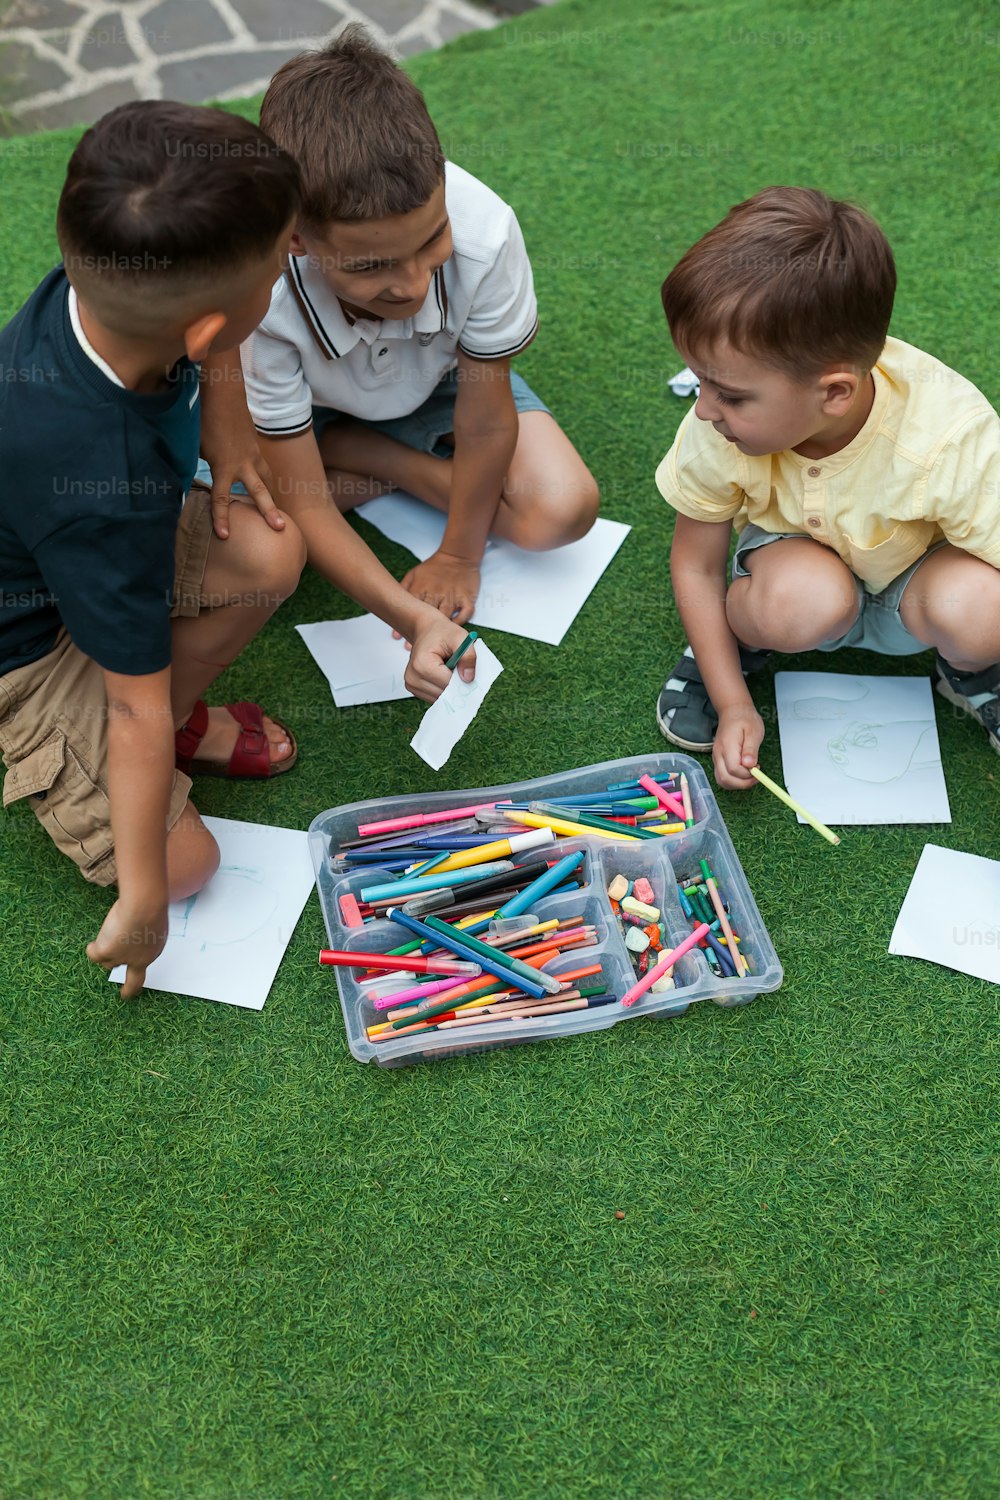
[{"x": 925, "y": 467}]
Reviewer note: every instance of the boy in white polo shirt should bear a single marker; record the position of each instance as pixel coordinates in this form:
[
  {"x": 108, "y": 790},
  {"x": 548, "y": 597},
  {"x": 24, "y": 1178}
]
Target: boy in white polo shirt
[
  {"x": 384, "y": 360},
  {"x": 861, "y": 474}
]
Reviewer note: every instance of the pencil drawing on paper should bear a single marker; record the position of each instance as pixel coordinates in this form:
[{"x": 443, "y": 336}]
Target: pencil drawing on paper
[
  {"x": 867, "y": 750},
  {"x": 246, "y": 896}
]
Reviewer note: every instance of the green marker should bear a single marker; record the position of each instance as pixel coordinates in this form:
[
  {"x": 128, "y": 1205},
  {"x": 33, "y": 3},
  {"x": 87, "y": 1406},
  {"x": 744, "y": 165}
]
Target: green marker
[
  {"x": 522, "y": 970},
  {"x": 456, "y": 656},
  {"x": 590, "y": 820}
]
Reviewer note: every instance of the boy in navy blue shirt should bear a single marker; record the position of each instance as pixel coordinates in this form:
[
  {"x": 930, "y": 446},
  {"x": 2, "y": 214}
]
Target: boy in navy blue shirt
[{"x": 119, "y": 604}]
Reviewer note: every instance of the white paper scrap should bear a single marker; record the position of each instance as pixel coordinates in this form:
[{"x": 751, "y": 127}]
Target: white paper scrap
[
  {"x": 951, "y": 913},
  {"x": 684, "y": 383},
  {"x": 537, "y": 595},
  {"x": 359, "y": 659},
  {"x": 861, "y": 749},
  {"x": 444, "y": 723},
  {"x": 226, "y": 942}
]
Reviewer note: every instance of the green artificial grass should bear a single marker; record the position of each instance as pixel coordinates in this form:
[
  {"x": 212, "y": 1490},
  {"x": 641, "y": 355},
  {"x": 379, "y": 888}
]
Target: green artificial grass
[{"x": 236, "y": 1263}]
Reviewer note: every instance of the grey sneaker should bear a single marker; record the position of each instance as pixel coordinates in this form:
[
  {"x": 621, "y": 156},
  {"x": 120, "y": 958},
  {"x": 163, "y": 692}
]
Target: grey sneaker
[
  {"x": 976, "y": 693},
  {"x": 684, "y": 710}
]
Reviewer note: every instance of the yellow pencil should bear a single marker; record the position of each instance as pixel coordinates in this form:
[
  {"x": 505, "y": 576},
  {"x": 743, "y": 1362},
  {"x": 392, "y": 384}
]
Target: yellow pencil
[{"x": 797, "y": 807}]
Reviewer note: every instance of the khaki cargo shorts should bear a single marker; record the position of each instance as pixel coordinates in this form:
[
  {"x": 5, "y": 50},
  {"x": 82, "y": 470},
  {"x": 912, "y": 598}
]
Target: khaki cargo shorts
[{"x": 54, "y": 724}]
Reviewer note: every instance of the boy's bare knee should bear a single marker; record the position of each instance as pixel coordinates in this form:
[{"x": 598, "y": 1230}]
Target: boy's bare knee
[
  {"x": 553, "y": 515},
  {"x": 192, "y": 855},
  {"x": 792, "y": 608},
  {"x": 261, "y": 559}
]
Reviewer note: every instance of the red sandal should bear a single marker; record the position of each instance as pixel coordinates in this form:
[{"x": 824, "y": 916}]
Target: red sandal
[{"x": 251, "y": 757}]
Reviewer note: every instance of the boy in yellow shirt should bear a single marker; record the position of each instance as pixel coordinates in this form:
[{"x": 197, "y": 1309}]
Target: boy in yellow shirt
[{"x": 861, "y": 474}]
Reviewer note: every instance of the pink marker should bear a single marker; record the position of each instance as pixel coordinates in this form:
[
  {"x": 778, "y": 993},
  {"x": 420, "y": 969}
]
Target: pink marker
[
  {"x": 654, "y": 788},
  {"x": 418, "y": 820},
  {"x": 415, "y": 992},
  {"x": 666, "y": 962}
]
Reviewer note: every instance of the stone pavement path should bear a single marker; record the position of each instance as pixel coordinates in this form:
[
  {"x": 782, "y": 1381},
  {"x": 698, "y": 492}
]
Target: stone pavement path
[{"x": 64, "y": 62}]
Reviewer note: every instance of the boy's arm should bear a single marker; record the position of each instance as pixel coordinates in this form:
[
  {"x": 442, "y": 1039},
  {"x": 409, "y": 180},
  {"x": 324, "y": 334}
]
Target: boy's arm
[
  {"x": 140, "y": 777},
  {"x": 337, "y": 552},
  {"x": 485, "y": 438},
  {"x": 698, "y": 559},
  {"x": 229, "y": 442}
]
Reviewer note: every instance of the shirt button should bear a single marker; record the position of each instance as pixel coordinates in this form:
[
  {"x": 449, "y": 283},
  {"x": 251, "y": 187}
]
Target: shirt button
[
  {"x": 814, "y": 521},
  {"x": 814, "y": 473},
  {"x": 385, "y": 351}
]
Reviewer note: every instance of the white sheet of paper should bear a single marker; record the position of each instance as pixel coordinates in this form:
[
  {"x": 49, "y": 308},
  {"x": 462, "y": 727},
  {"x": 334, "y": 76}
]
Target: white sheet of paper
[
  {"x": 684, "y": 383},
  {"x": 951, "y": 914},
  {"x": 226, "y": 942},
  {"x": 359, "y": 658},
  {"x": 444, "y": 723},
  {"x": 861, "y": 749},
  {"x": 537, "y": 595}
]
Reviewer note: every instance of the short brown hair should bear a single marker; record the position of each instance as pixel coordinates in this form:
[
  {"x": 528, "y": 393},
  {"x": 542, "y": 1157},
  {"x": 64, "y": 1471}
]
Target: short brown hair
[
  {"x": 358, "y": 128},
  {"x": 791, "y": 277},
  {"x": 161, "y": 197}
]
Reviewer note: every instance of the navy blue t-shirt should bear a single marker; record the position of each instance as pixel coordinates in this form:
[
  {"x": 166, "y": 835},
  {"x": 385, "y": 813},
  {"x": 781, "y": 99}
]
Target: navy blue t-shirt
[{"x": 92, "y": 478}]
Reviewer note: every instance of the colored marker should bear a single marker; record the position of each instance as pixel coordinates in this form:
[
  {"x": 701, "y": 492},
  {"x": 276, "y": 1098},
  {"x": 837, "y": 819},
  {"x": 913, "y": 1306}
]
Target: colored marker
[
  {"x": 455, "y": 944},
  {"x": 499, "y": 849},
  {"x": 675, "y": 805},
  {"x": 483, "y": 950},
  {"x": 419, "y": 992},
  {"x": 782, "y": 795},
  {"x": 540, "y": 887},
  {"x": 337, "y": 958},
  {"x": 422, "y": 820},
  {"x": 456, "y": 656},
  {"x": 390, "y": 889},
  {"x": 590, "y": 820},
  {"x": 559, "y": 825}
]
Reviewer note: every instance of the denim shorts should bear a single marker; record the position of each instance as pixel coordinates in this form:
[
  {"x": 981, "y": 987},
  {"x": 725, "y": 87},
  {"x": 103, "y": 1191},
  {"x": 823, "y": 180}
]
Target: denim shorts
[
  {"x": 424, "y": 428},
  {"x": 879, "y": 625}
]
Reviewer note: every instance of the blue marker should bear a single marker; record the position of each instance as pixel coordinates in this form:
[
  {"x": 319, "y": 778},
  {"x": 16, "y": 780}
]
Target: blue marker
[
  {"x": 392, "y": 888},
  {"x": 454, "y": 945},
  {"x": 541, "y": 887}
]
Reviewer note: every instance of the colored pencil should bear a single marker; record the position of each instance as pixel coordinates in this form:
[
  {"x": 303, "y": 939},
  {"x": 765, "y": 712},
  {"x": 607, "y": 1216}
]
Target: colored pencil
[{"x": 782, "y": 795}]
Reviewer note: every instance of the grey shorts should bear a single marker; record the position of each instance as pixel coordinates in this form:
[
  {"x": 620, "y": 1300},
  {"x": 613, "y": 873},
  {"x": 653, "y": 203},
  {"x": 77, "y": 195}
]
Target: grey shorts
[
  {"x": 425, "y": 428},
  {"x": 879, "y": 625}
]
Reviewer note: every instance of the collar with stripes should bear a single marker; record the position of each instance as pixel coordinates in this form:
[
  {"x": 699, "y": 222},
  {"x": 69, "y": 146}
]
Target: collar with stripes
[{"x": 335, "y": 333}]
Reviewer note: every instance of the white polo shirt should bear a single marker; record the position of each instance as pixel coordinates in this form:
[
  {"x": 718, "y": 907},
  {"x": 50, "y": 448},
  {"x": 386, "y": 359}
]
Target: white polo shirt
[{"x": 307, "y": 352}]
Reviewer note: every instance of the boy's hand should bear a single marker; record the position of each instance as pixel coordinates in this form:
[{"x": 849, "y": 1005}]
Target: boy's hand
[
  {"x": 447, "y": 583},
  {"x": 232, "y": 454},
  {"x": 737, "y": 740},
  {"x": 134, "y": 939},
  {"x": 426, "y": 674}
]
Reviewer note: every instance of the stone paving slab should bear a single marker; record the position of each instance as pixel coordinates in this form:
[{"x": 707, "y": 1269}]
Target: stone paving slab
[{"x": 64, "y": 62}]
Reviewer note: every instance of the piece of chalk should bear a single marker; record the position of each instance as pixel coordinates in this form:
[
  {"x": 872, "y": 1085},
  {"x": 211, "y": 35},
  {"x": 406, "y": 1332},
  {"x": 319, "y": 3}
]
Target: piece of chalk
[
  {"x": 636, "y": 940},
  {"x": 643, "y": 891},
  {"x": 640, "y": 909},
  {"x": 618, "y": 888}
]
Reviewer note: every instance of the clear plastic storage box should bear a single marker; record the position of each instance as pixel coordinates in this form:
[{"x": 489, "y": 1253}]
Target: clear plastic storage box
[{"x": 662, "y": 862}]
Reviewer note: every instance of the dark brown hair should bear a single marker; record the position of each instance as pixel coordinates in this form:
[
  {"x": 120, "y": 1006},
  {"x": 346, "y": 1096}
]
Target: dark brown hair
[
  {"x": 791, "y": 277},
  {"x": 358, "y": 128},
  {"x": 162, "y": 196}
]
